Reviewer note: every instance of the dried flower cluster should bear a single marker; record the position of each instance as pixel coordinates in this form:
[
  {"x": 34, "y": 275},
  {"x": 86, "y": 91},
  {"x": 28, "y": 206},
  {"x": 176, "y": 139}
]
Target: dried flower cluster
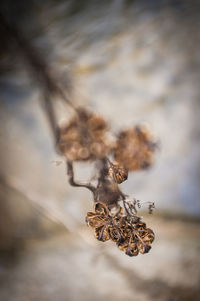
[
  {"x": 134, "y": 149},
  {"x": 127, "y": 230},
  {"x": 84, "y": 138}
]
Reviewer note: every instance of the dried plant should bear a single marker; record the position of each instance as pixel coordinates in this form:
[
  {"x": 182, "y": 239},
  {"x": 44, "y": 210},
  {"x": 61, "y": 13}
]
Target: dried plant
[
  {"x": 123, "y": 227},
  {"x": 135, "y": 148},
  {"x": 85, "y": 138}
]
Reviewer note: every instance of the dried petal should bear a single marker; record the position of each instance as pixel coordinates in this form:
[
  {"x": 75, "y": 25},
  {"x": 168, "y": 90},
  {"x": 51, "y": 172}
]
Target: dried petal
[
  {"x": 123, "y": 245},
  {"x": 140, "y": 226},
  {"x": 149, "y": 236},
  {"x": 101, "y": 209},
  {"x": 115, "y": 234},
  {"x": 118, "y": 173},
  {"x": 102, "y": 233},
  {"x": 94, "y": 221},
  {"x": 132, "y": 249},
  {"x": 143, "y": 247}
]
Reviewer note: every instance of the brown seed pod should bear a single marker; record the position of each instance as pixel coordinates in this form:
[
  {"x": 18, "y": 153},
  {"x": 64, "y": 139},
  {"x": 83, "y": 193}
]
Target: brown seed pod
[
  {"x": 134, "y": 149},
  {"x": 118, "y": 173}
]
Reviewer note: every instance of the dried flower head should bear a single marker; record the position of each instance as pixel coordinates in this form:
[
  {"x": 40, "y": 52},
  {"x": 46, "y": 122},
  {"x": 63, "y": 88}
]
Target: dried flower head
[
  {"x": 124, "y": 228},
  {"x": 118, "y": 173},
  {"x": 84, "y": 137},
  {"x": 134, "y": 149}
]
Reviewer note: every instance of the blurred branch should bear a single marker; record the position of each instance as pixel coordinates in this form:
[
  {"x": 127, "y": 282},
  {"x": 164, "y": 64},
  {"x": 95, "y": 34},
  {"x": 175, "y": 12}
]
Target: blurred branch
[
  {"x": 40, "y": 70},
  {"x": 70, "y": 173}
]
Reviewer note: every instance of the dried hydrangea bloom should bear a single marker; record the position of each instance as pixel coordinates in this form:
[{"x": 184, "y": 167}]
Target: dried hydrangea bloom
[
  {"x": 134, "y": 149},
  {"x": 130, "y": 235},
  {"x": 118, "y": 173},
  {"x": 84, "y": 137},
  {"x": 136, "y": 238}
]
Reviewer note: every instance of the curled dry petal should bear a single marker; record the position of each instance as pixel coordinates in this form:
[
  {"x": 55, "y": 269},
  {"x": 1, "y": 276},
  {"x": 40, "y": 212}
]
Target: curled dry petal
[
  {"x": 115, "y": 234},
  {"x": 93, "y": 220},
  {"x": 123, "y": 245},
  {"x": 102, "y": 233},
  {"x": 118, "y": 173},
  {"x": 101, "y": 209},
  {"x": 143, "y": 247},
  {"x": 140, "y": 226},
  {"x": 132, "y": 249},
  {"x": 130, "y": 235},
  {"x": 149, "y": 236}
]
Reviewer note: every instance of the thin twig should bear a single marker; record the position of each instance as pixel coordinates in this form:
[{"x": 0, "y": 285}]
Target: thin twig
[{"x": 70, "y": 173}]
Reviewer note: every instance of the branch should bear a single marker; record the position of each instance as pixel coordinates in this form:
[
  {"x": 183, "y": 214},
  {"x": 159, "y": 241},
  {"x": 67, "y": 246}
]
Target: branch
[
  {"x": 50, "y": 86},
  {"x": 70, "y": 173}
]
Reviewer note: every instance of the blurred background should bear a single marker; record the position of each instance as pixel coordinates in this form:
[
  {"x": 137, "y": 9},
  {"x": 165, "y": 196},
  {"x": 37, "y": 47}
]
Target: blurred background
[{"x": 133, "y": 62}]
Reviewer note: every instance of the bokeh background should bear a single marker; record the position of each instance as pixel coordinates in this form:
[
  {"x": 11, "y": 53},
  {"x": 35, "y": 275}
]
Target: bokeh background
[{"x": 133, "y": 62}]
